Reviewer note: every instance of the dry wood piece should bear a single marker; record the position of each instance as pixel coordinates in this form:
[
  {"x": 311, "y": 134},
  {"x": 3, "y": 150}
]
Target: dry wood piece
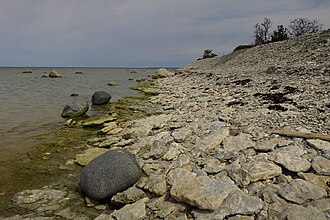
[{"x": 302, "y": 134}]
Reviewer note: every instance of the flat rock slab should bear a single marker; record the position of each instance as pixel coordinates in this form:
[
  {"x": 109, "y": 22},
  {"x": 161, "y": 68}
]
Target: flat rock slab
[
  {"x": 301, "y": 191},
  {"x": 236, "y": 203},
  {"x": 181, "y": 134},
  {"x": 156, "y": 184},
  {"x": 319, "y": 144},
  {"x": 307, "y": 213},
  {"x": 174, "y": 151},
  {"x": 212, "y": 141},
  {"x": 130, "y": 195},
  {"x": 267, "y": 145},
  {"x": 108, "y": 174},
  {"x": 41, "y": 200},
  {"x": 142, "y": 127},
  {"x": 200, "y": 191},
  {"x": 89, "y": 154},
  {"x": 262, "y": 170},
  {"x": 321, "y": 165},
  {"x": 323, "y": 204},
  {"x": 97, "y": 121},
  {"x": 292, "y": 162},
  {"x": 321, "y": 181},
  {"x": 292, "y": 149},
  {"x": 135, "y": 211},
  {"x": 238, "y": 143}
]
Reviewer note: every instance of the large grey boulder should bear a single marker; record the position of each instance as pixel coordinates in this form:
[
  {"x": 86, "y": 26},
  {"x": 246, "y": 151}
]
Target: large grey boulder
[
  {"x": 108, "y": 174},
  {"x": 100, "y": 98},
  {"x": 76, "y": 108}
]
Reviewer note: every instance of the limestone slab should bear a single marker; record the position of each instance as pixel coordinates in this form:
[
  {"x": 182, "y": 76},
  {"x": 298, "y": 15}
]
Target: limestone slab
[{"x": 201, "y": 191}]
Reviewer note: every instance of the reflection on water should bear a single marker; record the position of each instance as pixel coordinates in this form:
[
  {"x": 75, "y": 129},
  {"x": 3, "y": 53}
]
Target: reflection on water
[{"x": 31, "y": 105}]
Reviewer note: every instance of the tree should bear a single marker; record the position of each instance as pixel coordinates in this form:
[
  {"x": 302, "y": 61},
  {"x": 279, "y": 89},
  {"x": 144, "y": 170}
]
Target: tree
[
  {"x": 280, "y": 34},
  {"x": 302, "y": 26},
  {"x": 208, "y": 54},
  {"x": 261, "y": 35}
]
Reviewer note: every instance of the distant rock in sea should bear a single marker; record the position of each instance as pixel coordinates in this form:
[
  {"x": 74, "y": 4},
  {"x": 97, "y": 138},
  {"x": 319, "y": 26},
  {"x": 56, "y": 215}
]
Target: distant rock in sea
[
  {"x": 54, "y": 74},
  {"x": 27, "y": 71},
  {"x": 112, "y": 83}
]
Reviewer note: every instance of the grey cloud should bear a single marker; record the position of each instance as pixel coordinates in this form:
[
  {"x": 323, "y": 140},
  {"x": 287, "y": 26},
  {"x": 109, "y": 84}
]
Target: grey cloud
[{"x": 135, "y": 32}]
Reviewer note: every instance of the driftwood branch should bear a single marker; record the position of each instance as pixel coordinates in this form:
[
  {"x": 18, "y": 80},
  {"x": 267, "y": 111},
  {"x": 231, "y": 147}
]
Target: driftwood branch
[{"x": 302, "y": 134}]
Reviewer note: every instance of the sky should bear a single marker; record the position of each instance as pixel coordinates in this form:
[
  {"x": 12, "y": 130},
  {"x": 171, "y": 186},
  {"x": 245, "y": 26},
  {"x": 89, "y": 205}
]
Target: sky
[{"x": 136, "y": 33}]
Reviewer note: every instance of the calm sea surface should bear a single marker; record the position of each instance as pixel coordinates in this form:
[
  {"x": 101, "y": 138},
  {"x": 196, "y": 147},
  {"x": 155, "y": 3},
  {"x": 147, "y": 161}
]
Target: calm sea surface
[{"x": 31, "y": 105}]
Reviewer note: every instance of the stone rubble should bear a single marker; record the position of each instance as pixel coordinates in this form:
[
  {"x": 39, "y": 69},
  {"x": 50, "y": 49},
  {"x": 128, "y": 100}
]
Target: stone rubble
[{"x": 210, "y": 153}]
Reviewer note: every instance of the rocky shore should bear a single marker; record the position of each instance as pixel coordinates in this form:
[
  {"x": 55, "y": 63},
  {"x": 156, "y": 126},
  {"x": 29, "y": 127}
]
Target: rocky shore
[{"x": 207, "y": 145}]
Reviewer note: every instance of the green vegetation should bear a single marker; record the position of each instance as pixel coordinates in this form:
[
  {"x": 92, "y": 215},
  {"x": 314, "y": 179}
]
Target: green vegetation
[
  {"x": 208, "y": 54},
  {"x": 263, "y": 33},
  {"x": 296, "y": 28},
  {"x": 280, "y": 34},
  {"x": 50, "y": 144}
]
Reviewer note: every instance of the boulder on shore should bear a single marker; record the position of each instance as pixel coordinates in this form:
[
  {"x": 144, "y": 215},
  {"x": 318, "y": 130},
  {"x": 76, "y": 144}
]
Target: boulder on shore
[
  {"x": 162, "y": 73},
  {"x": 76, "y": 108},
  {"x": 54, "y": 74},
  {"x": 100, "y": 98},
  {"x": 108, "y": 174}
]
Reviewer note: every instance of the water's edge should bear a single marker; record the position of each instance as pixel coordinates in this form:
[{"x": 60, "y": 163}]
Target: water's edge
[{"x": 52, "y": 161}]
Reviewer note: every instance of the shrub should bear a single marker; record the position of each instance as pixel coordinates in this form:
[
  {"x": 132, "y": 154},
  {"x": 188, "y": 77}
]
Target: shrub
[
  {"x": 302, "y": 26},
  {"x": 280, "y": 34},
  {"x": 208, "y": 54}
]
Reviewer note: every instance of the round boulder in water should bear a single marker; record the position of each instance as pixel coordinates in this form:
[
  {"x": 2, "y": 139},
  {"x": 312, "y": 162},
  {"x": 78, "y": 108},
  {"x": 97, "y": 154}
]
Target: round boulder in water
[
  {"x": 76, "y": 108},
  {"x": 108, "y": 174},
  {"x": 100, "y": 98}
]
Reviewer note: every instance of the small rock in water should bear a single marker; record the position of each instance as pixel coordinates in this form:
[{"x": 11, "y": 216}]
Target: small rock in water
[
  {"x": 76, "y": 108},
  {"x": 112, "y": 83},
  {"x": 100, "y": 98},
  {"x": 109, "y": 173}
]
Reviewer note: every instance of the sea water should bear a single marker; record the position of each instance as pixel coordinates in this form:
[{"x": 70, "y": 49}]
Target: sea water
[{"x": 31, "y": 105}]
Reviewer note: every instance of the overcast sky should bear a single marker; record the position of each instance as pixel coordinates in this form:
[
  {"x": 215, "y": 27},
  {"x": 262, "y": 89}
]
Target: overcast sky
[{"x": 136, "y": 33}]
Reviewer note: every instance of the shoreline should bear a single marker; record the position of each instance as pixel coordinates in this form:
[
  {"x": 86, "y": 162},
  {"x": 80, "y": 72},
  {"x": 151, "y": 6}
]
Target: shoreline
[
  {"x": 206, "y": 148},
  {"x": 51, "y": 164}
]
